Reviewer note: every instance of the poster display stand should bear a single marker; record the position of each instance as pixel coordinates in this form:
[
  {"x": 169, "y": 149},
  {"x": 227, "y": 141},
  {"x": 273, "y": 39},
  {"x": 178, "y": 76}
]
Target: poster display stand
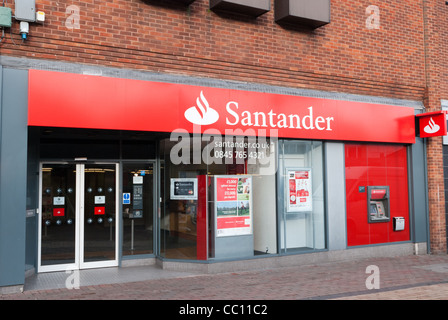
[{"x": 233, "y": 216}]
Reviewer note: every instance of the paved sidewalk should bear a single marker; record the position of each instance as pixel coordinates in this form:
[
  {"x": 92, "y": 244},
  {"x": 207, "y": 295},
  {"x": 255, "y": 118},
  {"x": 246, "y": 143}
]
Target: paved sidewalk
[{"x": 422, "y": 277}]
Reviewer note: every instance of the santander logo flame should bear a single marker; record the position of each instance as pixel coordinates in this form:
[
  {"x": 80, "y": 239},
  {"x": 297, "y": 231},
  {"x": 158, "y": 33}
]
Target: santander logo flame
[
  {"x": 201, "y": 113},
  {"x": 432, "y": 127}
]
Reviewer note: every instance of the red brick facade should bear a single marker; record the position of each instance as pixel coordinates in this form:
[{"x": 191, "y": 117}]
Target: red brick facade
[
  {"x": 343, "y": 56},
  {"x": 435, "y": 16}
]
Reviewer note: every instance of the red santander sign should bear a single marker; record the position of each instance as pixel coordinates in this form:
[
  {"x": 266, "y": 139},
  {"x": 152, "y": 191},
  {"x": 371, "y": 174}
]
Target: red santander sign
[
  {"x": 432, "y": 124},
  {"x": 81, "y": 101}
]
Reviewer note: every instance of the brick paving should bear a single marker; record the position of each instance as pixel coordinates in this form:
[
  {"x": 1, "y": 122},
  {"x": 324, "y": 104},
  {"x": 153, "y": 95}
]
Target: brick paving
[{"x": 422, "y": 277}]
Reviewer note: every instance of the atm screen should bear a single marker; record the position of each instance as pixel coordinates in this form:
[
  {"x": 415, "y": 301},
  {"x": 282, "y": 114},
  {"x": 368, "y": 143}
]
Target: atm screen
[{"x": 373, "y": 208}]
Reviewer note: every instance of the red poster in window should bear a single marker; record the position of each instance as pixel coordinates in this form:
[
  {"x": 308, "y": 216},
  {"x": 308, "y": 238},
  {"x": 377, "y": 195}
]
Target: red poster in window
[
  {"x": 58, "y": 212},
  {"x": 301, "y": 174},
  {"x": 292, "y": 191},
  {"x": 233, "y": 205},
  {"x": 233, "y": 223},
  {"x": 100, "y": 211},
  {"x": 226, "y": 189},
  {"x": 300, "y": 195}
]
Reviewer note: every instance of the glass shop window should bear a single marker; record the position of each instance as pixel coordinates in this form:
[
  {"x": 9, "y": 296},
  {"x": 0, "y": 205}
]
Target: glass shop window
[
  {"x": 138, "y": 208},
  {"x": 301, "y": 189},
  {"x": 218, "y": 197}
]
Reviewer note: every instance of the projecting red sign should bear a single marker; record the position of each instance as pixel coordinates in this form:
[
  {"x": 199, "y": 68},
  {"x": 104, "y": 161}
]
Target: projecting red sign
[
  {"x": 79, "y": 101},
  {"x": 432, "y": 124}
]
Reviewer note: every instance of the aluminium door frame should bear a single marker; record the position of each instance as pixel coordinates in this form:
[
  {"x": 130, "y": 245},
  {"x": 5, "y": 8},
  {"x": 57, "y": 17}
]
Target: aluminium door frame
[
  {"x": 79, "y": 222},
  {"x": 81, "y": 205}
]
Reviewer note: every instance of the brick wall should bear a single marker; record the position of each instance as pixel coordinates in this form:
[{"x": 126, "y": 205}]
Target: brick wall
[
  {"x": 343, "y": 56},
  {"x": 442, "y": 54},
  {"x": 443, "y": 74},
  {"x": 435, "y": 13}
]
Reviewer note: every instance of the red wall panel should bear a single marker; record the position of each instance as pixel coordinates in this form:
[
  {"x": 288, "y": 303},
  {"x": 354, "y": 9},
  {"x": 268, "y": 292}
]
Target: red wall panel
[{"x": 380, "y": 165}]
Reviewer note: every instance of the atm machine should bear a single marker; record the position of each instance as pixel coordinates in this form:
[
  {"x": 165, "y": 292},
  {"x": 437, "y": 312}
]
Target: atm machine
[
  {"x": 378, "y": 207},
  {"x": 378, "y": 204}
]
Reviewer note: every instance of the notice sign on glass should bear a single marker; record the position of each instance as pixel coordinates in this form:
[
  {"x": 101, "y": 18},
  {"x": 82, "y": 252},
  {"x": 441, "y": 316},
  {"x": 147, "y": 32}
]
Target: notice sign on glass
[
  {"x": 233, "y": 205},
  {"x": 184, "y": 189},
  {"x": 299, "y": 192}
]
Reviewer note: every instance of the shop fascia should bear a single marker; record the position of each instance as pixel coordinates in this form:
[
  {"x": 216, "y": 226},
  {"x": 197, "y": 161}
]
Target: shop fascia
[
  {"x": 163, "y": 107},
  {"x": 203, "y": 114},
  {"x": 234, "y": 147},
  {"x": 280, "y": 120}
]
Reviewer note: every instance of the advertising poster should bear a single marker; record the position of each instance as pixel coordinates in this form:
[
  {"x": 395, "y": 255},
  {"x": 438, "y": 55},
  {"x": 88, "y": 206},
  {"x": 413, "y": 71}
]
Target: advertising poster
[
  {"x": 299, "y": 192},
  {"x": 233, "y": 205}
]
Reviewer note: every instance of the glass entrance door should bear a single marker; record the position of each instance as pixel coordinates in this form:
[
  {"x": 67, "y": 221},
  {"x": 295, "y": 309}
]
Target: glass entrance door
[
  {"x": 78, "y": 221},
  {"x": 98, "y": 214},
  {"x": 57, "y": 223}
]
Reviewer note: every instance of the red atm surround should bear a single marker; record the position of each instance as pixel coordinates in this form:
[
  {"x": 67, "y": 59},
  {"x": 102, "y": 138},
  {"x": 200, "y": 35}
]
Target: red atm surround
[{"x": 375, "y": 165}]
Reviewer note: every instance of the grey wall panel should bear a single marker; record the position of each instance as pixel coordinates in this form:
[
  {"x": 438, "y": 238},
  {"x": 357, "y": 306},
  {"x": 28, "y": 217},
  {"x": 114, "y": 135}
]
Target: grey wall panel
[
  {"x": 13, "y": 175},
  {"x": 419, "y": 193},
  {"x": 335, "y": 196},
  {"x": 237, "y": 247}
]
